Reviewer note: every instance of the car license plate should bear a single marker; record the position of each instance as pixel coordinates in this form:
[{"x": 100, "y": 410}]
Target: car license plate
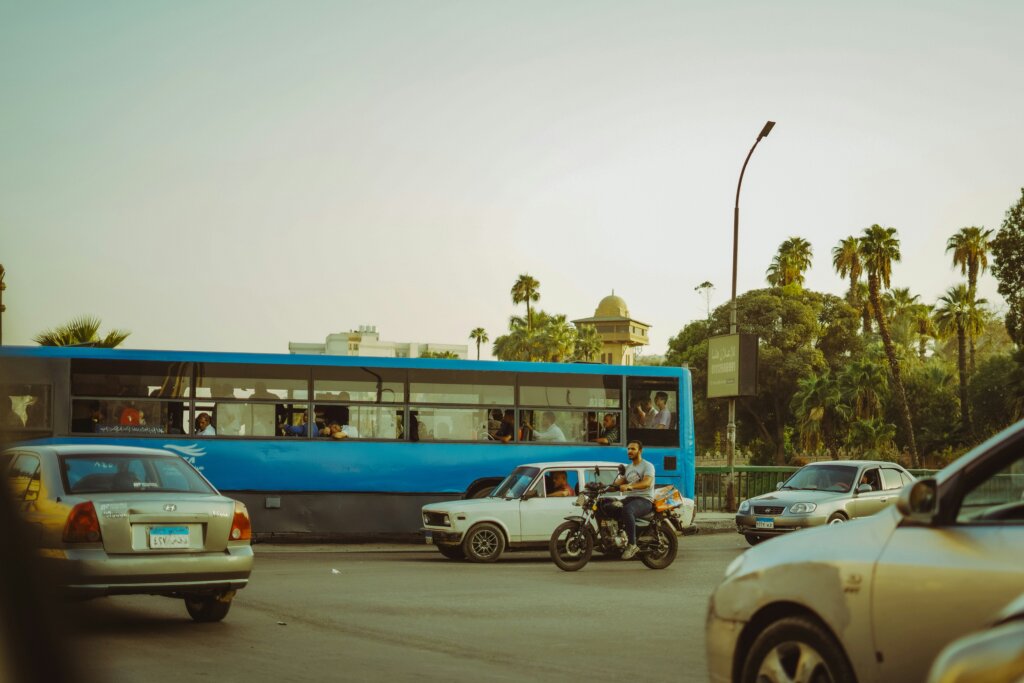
[
  {"x": 429, "y": 538},
  {"x": 168, "y": 537},
  {"x": 764, "y": 523}
]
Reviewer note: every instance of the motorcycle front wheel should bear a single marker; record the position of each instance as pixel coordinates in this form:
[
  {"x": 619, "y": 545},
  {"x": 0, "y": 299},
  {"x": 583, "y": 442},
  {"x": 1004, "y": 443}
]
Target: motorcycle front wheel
[
  {"x": 664, "y": 553},
  {"x": 571, "y": 546}
]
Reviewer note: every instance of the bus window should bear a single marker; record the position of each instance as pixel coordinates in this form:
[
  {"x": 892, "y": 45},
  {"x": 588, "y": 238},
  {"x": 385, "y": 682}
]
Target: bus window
[
  {"x": 253, "y": 382},
  {"x": 653, "y": 411},
  {"x": 449, "y": 424},
  {"x": 555, "y": 426},
  {"x": 137, "y": 379},
  {"x": 360, "y": 385},
  {"x": 24, "y": 407},
  {"x": 126, "y": 416},
  {"x": 542, "y": 390},
  {"x": 461, "y": 388},
  {"x": 369, "y": 422}
]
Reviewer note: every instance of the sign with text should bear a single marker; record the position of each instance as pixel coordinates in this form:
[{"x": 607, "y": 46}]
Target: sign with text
[{"x": 732, "y": 366}]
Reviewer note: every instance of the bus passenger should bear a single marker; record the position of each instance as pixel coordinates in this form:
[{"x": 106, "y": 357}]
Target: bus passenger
[
  {"x": 299, "y": 430},
  {"x": 610, "y": 433},
  {"x": 549, "y": 430},
  {"x": 337, "y": 431},
  {"x": 662, "y": 416},
  {"x": 508, "y": 427},
  {"x": 204, "y": 426}
]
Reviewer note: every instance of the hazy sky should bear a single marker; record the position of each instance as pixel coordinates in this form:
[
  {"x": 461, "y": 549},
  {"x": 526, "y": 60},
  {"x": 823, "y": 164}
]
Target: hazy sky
[{"x": 238, "y": 175}]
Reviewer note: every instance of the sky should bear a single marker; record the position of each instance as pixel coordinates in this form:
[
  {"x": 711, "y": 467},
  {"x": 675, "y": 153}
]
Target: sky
[{"x": 233, "y": 176}]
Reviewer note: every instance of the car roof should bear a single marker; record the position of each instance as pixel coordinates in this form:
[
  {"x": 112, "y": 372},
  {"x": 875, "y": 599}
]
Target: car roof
[
  {"x": 572, "y": 464},
  {"x": 92, "y": 449},
  {"x": 855, "y": 463}
]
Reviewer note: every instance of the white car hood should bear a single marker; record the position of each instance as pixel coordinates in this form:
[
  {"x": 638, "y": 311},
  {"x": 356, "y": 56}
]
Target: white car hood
[{"x": 470, "y": 504}]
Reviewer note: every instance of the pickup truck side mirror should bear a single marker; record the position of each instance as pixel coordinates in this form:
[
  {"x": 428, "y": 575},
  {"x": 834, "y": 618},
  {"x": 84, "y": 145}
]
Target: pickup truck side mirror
[{"x": 919, "y": 501}]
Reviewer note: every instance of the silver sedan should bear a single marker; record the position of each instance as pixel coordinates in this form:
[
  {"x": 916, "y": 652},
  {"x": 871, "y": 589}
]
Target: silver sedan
[
  {"x": 822, "y": 493},
  {"x": 122, "y": 520}
]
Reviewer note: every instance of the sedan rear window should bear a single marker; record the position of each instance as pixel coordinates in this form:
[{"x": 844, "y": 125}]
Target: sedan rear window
[{"x": 102, "y": 473}]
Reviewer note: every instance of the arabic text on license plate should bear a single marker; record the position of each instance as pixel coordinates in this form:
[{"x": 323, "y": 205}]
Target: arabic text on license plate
[
  {"x": 168, "y": 537},
  {"x": 765, "y": 523},
  {"x": 429, "y": 538}
]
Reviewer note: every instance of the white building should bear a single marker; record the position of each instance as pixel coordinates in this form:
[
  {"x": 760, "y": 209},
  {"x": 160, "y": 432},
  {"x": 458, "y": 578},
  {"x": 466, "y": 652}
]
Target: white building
[{"x": 367, "y": 342}]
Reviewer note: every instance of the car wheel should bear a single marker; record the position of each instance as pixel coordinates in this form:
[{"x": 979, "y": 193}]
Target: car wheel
[
  {"x": 665, "y": 554},
  {"x": 483, "y": 543},
  {"x": 753, "y": 539},
  {"x": 452, "y": 552},
  {"x": 208, "y": 608},
  {"x": 837, "y": 518},
  {"x": 796, "y": 649}
]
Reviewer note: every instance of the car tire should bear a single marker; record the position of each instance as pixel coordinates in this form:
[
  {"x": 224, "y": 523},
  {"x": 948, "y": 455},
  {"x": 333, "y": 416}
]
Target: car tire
[
  {"x": 484, "y": 543},
  {"x": 753, "y": 539},
  {"x": 796, "y": 644},
  {"x": 660, "y": 560},
  {"x": 208, "y": 608},
  {"x": 452, "y": 552},
  {"x": 837, "y": 518}
]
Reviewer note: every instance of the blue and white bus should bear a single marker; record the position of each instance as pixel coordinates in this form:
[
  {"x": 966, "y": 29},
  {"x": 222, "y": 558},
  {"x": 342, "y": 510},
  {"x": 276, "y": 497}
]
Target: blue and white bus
[{"x": 418, "y": 430}]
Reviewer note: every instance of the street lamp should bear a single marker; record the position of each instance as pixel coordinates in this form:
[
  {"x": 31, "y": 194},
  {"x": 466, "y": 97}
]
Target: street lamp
[{"x": 731, "y": 429}]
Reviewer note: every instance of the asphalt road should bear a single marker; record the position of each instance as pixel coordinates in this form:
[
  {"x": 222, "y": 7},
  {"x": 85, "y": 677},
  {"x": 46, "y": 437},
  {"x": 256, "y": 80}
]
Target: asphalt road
[{"x": 405, "y": 614}]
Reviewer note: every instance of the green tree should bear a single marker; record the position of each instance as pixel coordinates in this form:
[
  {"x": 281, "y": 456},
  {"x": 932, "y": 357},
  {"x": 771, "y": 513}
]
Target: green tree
[
  {"x": 81, "y": 330},
  {"x": 956, "y": 315},
  {"x": 439, "y": 354},
  {"x": 900, "y": 306},
  {"x": 816, "y": 396},
  {"x": 846, "y": 261},
  {"x": 1008, "y": 267},
  {"x": 879, "y": 248},
  {"x": 871, "y": 437},
  {"x": 970, "y": 247},
  {"x": 479, "y": 335},
  {"x": 588, "y": 343},
  {"x": 992, "y": 397},
  {"x": 790, "y": 263},
  {"x": 525, "y": 290},
  {"x": 863, "y": 385}
]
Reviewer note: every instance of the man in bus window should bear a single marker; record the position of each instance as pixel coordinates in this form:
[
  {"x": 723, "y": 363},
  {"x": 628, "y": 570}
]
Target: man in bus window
[
  {"x": 508, "y": 427},
  {"x": 204, "y": 426},
  {"x": 338, "y": 431},
  {"x": 610, "y": 433},
  {"x": 549, "y": 431},
  {"x": 662, "y": 416}
]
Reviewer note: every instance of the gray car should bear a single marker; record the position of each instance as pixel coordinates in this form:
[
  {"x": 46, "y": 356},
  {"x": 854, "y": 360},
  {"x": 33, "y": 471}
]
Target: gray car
[
  {"x": 122, "y": 520},
  {"x": 822, "y": 493},
  {"x": 877, "y": 600}
]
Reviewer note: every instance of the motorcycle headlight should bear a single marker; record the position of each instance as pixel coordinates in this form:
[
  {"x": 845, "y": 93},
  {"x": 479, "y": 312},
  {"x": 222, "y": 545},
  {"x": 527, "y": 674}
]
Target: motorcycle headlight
[
  {"x": 802, "y": 508},
  {"x": 744, "y": 507}
]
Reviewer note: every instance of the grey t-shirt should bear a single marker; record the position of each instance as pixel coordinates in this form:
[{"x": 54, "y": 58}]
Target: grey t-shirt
[{"x": 635, "y": 473}]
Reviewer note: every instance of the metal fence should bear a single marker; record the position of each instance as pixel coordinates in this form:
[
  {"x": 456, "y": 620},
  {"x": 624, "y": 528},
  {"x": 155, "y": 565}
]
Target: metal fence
[{"x": 712, "y": 492}]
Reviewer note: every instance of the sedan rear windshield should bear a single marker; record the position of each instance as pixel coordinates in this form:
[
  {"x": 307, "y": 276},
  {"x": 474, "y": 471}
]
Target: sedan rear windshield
[{"x": 131, "y": 473}]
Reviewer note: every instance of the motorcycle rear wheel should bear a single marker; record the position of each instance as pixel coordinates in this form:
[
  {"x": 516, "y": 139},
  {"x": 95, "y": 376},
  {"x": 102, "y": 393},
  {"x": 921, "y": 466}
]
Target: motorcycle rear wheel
[
  {"x": 665, "y": 553},
  {"x": 571, "y": 546}
]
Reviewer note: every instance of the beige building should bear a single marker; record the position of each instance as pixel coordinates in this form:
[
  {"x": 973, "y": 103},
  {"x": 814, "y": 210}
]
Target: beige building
[
  {"x": 367, "y": 342},
  {"x": 620, "y": 334}
]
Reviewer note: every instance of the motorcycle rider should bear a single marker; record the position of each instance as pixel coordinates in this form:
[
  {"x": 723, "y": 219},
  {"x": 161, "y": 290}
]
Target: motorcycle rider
[{"x": 638, "y": 481}]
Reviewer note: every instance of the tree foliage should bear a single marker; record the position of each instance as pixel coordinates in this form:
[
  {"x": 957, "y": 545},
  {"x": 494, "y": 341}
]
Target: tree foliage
[
  {"x": 84, "y": 330},
  {"x": 1008, "y": 267}
]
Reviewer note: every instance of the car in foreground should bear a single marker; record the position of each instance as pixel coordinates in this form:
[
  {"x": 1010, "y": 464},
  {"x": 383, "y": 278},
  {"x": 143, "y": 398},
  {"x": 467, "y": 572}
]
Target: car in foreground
[
  {"x": 521, "y": 512},
  {"x": 993, "y": 655},
  {"x": 122, "y": 520},
  {"x": 821, "y": 493},
  {"x": 878, "y": 599}
]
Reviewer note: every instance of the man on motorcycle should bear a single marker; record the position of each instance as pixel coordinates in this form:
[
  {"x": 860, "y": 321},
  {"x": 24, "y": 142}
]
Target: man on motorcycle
[{"x": 638, "y": 480}]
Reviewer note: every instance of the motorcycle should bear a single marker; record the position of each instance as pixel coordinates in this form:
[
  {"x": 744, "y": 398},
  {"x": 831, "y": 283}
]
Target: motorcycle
[{"x": 573, "y": 542}]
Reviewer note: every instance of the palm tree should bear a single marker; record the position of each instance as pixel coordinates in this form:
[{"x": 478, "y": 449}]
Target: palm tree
[
  {"x": 970, "y": 247},
  {"x": 81, "y": 330},
  {"x": 790, "y": 263},
  {"x": 588, "y": 342},
  {"x": 556, "y": 339},
  {"x": 956, "y": 314},
  {"x": 863, "y": 384},
  {"x": 922, "y": 315},
  {"x": 879, "y": 248},
  {"x": 871, "y": 436},
  {"x": 479, "y": 335},
  {"x": 814, "y": 395},
  {"x": 899, "y": 305},
  {"x": 525, "y": 290},
  {"x": 846, "y": 261}
]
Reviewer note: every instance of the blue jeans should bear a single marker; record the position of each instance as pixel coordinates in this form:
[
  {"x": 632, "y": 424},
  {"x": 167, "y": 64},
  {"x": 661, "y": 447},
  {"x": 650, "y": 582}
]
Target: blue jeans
[{"x": 632, "y": 508}]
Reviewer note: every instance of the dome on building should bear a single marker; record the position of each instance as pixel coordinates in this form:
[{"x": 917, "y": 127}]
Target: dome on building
[{"x": 612, "y": 307}]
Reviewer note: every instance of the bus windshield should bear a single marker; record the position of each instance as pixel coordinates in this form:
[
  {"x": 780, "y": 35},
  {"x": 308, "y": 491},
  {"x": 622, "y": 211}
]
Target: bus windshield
[{"x": 515, "y": 484}]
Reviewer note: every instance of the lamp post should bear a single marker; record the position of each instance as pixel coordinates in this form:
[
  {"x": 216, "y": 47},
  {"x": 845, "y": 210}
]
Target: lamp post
[{"x": 731, "y": 429}]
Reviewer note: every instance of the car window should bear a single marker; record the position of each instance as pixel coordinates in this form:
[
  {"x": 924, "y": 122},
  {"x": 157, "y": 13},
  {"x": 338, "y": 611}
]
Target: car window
[
  {"x": 549, "y": 487},
  {"x": 104, "y": 473},
  {"x": 823, "y": 478},
  {"x": 891, "y": 479},
  {"x": 24, "y": 470},
  {"x": 998, "y": 498},
  {"x": 606, "y": 476},
  {"x": 871, "y": 478},
  {"x": 906, "y": 477}
]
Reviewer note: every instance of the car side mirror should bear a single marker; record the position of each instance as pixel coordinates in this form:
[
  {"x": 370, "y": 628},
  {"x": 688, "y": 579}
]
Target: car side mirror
[
  {"x": 532, "y": 493},
  {"x": 864, "y": 488},
  {"x": 779, "y": 485},
  {"x": 919, "y": 501}
]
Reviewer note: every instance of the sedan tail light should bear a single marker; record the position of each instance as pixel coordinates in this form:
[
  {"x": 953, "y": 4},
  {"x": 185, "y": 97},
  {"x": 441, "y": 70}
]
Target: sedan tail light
[
  {"x": 241, "y": 528},
  {"x": 83, "y": 526}
]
